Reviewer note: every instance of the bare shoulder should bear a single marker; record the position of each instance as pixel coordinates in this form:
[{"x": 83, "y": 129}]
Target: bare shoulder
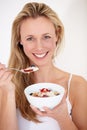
[
  {"x": 78, "y": 94},
  {"x": 79, "y": 84},
  {"x": 78, "y": 88},
  {"x": 79, "y": 81}
]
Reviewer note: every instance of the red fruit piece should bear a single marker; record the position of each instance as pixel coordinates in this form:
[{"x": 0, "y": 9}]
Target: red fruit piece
[
  {"x": 45, "y": 90},
  {"x": 28, "y": 70}
]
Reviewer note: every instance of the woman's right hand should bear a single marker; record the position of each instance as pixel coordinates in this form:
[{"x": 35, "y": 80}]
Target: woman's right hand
[
  {"x": 6, "y": 84},
  {"x": 8, "y": 117}
]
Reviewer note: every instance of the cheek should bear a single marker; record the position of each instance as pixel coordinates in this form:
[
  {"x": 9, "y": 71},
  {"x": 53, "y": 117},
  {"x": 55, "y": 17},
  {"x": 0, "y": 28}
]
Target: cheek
[
  {"x": 26, "y": 49},
  {"x": 52, "y": 45}
]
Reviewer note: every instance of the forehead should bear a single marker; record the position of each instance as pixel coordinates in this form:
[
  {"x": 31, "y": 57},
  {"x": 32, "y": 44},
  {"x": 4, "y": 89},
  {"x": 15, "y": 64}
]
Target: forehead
[{"x": 37, "y": 25}]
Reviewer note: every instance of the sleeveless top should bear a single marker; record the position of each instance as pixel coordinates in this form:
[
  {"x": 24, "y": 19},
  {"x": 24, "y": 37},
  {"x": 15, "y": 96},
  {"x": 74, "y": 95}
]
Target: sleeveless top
[{"x": 47, "y": 122}]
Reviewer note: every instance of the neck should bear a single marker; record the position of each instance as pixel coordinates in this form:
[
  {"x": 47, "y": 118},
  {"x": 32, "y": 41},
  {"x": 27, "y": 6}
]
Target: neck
[{"x": 45, "y": 74}]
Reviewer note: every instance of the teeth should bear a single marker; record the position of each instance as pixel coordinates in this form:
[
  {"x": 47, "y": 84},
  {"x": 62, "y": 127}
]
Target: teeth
[{"x": 40, "y": 55}]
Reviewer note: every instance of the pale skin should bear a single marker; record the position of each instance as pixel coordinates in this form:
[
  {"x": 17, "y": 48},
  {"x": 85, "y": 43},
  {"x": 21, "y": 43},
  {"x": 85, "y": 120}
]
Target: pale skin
[
  {"x": 8, "y": 118},
  {"x": 39, "y": 42}
]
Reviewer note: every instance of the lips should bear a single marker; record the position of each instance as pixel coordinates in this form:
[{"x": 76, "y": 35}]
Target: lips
[{"x": 41, "y": 55}]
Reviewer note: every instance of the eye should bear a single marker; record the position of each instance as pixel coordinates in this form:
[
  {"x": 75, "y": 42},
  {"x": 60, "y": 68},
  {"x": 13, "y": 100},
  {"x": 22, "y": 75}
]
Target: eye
[
  {"x": 30, "y": 39},
  {"x": 47, "y": 37}
]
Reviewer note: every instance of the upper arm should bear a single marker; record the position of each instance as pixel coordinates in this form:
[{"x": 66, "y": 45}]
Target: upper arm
[{"x": 79, "y": 109}]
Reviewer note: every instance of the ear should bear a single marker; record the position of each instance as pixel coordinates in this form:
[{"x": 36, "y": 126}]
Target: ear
[{"x": 21, "y": 43}]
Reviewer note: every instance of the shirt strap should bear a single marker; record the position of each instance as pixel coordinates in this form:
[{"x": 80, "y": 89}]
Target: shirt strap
[{"x": 69, "y": 82}]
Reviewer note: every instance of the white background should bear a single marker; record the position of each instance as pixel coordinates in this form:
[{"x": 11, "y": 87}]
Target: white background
[{"x": 73, "y": 14}]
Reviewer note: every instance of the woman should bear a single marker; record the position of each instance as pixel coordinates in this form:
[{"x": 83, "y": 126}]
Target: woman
[{"x": 37, "y": 35}]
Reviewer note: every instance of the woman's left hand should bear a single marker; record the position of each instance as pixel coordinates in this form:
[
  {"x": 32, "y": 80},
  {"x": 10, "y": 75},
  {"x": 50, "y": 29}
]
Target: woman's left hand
[{"x": 58, "y": 112}]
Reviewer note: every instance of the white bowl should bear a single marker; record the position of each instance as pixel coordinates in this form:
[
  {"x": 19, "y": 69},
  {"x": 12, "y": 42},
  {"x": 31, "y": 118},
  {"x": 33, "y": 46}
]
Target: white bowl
[{"x": 40, "y": 102}]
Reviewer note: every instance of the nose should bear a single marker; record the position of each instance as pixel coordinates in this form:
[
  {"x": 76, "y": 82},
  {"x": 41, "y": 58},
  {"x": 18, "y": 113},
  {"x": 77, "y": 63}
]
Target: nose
[{"x": 39, "y": 45}]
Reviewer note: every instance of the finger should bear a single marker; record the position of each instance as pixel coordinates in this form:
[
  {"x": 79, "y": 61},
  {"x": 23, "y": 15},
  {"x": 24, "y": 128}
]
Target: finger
[
  {"x": 47, "y": 110},
  {"x": 5, "y": 75},
  {"x": 10, "y": 76},
  {"x": 2, "y": 71},
  {"x": 36, "y": 110},
  {"x": 2, "y": 66}
]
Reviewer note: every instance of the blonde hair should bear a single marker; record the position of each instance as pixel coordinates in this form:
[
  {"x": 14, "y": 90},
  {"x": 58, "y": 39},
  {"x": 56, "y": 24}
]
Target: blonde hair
[{"x": 19, "y": 60}]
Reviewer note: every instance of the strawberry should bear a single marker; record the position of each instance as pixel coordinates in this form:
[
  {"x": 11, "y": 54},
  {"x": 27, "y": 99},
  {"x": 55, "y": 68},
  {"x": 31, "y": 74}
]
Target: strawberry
[{"x": 45, "y": 90}]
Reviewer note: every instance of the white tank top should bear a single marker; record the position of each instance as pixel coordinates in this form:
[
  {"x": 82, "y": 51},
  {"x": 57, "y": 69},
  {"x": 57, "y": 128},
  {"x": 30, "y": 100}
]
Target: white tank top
[{"x": 47, "y": 122}]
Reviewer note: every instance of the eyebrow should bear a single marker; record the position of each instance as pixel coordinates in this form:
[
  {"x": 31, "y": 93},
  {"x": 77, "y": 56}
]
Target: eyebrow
[
  {"x": 41, "y": 34},
  {"x": 47, "y": 34}
]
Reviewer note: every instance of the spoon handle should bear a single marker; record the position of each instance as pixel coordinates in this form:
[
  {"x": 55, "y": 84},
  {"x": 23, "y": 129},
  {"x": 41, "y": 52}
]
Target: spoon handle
[{"x": 27, "y": 70}]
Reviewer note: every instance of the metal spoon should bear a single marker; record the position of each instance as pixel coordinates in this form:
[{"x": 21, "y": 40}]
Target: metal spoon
[{"x": 26, "y": 70}]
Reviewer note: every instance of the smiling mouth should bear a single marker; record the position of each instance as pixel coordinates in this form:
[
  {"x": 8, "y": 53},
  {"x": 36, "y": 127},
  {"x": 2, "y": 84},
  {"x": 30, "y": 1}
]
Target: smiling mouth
[{"x": 40, "y": 55}]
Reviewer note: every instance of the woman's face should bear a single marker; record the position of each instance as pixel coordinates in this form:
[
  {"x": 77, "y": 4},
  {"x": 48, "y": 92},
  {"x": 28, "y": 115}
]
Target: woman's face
[{"x": 38, "y": 39}]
